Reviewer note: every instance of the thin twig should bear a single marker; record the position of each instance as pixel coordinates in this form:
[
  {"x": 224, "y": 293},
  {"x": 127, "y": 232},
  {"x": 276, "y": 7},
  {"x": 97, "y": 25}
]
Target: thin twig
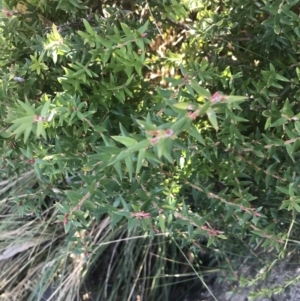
[
  {"x": 154, "y": 19},
  {"x": 178, "y": 24}
]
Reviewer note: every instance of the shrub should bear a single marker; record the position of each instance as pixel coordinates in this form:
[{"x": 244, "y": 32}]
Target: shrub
[{"x": 186, "y": 157}]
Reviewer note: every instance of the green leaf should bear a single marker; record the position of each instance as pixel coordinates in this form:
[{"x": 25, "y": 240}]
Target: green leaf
[
  {"x": 279, "y": 122},
  {"x": 125, "y": 153},
  {"x": 55, "y": 33},
  {"x": 297, "y": 126},
  {"x": 277, "y": 29},
  {"x": 25, "y": 153},
  {"x": 40, "y": 127},
  {"x": 291, "y": 190},
  {"x": 200, "y": 221},
  {"x": 142, "y": 144},
  {"x": 74, "y": 196},
  {"x": 234, "y": 98},
  {"x": 143, "y": 28},
  {"x": 108, "y": 141},
  {"x": 129, "y": 166},
  {"x": 204, "y": 108},
  {"x": 123, "y": 130},
  {"x": 27, "y": 107},
  {"x": 67, "y": 227},
  {"x": 283, "y": 190},
  {"x": 146, "y": 125},
  {"x": 186, "y": 106},
  {"x": 118, "y": 169},
  {"x": 5, "y": 134},
  {"x": 132, "y": 223},
  {"x": 45, "y": 108},
  {"x": 211, "y": 241},
  {"x": 282, "y": 78},
  {"x": 212, "y": 118},
  {"x": 127, "y": 141},
  {"x": 27, "y": 133},
  {"x": 88, "y": 27},
  {"x": 289, "y": 148},
  {"x": 195, "y": 133},
  {"x": 125, "y": 205},
  {"x": 141, "y": 157},
  {"x": 181, "y": 124},
  {"x": 22, "y": 120},
  {"x": 106, "y": 44},
  {"x": 200, "y": 91},
  {"x": 162, "y": 223},
  {"x": 115, "y": 218},
  {"x": 161, "y": 147},
  {"x": 268, "y": 123},
  {"x": 240, "y": 119},
  {"x": 22, "y": 128},
  {"x": 54, "y": 56},
  {"x": 89, "y": 205},
  {"x": 126, "y": 29}
]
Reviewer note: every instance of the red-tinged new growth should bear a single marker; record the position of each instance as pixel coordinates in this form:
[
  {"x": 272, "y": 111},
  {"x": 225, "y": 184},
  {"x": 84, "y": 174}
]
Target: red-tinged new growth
[
  {"x": 193, "y": 115},
  {"x": 7, "y": 13},
  {"x": 38, "y": 118},
  {"x": 212, "y": 232},
  {"x": 154, "y": 140},
  {"x": 160, "y": 134},
  {"x": 255, "y": 213},
  {"x": 217, "y": 97},
  {"x": 140, "y": 215},
  {"x": 87, "y": 255},
  {"x": 66, "y": 219},
  {"x": 154, "y": 133},
  {"x": 251, "y": 211},
  {"x": 169, "y": 133},
  {"x": 143, "y": 35}
]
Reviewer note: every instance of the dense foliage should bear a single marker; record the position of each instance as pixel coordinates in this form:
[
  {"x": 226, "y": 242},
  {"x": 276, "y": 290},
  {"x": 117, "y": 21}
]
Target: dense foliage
[{"x": 131, "y": 110}]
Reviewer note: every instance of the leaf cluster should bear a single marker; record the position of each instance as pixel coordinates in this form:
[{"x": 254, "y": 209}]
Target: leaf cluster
[{"x": 212, "y": 153}]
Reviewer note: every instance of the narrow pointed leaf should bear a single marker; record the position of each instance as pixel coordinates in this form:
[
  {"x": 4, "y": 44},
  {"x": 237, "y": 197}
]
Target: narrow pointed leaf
[
  {"x": 129, "y": 166},
  {"x": 212, "y": 118},
  {"x": 200, "y": 90},
  {"x": 127, "y": 141},
  {"x": 141, "y": 157}
]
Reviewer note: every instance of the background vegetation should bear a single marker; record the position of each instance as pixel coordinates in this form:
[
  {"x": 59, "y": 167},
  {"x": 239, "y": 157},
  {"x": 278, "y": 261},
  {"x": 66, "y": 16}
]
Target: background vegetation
[{"x": 137, "y": 135}]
